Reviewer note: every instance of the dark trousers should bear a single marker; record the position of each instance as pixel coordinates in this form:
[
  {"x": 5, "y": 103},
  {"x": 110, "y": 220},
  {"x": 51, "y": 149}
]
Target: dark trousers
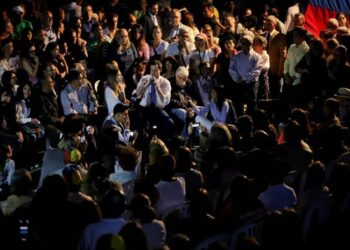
[
  {"x": 275, "y": 86},
  {"x": 159, "y": 121},
  {"x": 245, "y": 94}
]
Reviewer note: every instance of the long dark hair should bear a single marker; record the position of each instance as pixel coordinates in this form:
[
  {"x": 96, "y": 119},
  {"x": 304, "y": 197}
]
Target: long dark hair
[
  {"x": 220, "y": 96},
  {"x": 20, "y": 96},
  {"x": 141, "y": 42}
]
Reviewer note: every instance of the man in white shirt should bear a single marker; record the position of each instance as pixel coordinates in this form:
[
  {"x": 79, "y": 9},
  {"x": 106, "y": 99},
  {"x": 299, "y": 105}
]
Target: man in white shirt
[
  {"x": 47, "y": 31},
  {"x": 175, "y": 22},
  {"x": 154, "y": 92},
  {"x": 291, "y": 87},
  {"x": 181, "y": 49}
]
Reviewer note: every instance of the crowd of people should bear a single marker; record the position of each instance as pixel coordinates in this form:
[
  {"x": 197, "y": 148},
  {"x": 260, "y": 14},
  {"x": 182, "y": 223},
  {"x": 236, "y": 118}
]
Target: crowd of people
[{"x": 157, "y": 124}]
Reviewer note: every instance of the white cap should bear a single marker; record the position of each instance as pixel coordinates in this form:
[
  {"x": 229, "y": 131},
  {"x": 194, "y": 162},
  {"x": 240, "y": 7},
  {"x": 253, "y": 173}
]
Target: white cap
[{"x": 18, "y": 9}]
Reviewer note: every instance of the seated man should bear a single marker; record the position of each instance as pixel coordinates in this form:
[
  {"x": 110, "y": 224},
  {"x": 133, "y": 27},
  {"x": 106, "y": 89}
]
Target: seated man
[
  {"x": 116, "y": 126},
  {"x": 116, "y": 131},
  {"x": 47, "y": 105},
  {"x": 76, "y": 97},
  {"x": 154, "y": 92}
]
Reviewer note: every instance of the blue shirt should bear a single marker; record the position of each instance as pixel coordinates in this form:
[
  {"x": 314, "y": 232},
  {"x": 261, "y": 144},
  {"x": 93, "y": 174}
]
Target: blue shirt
[
  {"x": 245, "y": 67},
  {"x": 77, "y": 101}
]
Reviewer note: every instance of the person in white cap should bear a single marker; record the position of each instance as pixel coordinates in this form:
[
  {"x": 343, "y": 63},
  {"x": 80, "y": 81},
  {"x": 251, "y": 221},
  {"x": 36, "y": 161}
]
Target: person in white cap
[
  {"x": 21, "y": 24},
  {"x": 244, "y": 70}
]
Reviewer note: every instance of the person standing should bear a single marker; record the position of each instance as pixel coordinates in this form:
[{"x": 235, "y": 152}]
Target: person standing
[
  {"x": 244, "y": 70},
  {"x": 277, "y": 49}
]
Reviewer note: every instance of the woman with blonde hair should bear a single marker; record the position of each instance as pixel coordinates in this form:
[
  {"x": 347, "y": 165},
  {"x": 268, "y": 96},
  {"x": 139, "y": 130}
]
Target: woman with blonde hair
[
  {"x": 115, "y": 89},
  {"x": 156, "y": 150},
  {"x": 123, "y": 51},
  {"x": 202, "y": 53}
]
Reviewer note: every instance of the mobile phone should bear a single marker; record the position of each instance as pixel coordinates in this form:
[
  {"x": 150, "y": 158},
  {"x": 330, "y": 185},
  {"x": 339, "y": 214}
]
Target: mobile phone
[
  {"x": 82, "y": 139},
  {"x": 23, "y": 230},
  {"x": 87, "y": 129},
  {"x": 195, "y": 125}
]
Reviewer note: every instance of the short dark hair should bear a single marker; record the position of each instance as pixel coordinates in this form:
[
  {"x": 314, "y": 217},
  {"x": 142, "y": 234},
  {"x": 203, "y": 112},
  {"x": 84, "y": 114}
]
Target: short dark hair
[
  {"x": 119, "y": 108},
  {"x": 156, "y": 63},
  {"x": 300, "y": 31},
  {"x": 113, "y": 203}
]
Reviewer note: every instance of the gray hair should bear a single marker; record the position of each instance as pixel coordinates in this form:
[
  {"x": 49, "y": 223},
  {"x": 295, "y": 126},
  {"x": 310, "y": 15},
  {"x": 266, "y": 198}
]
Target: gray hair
[{"x": 183, "y": 71}]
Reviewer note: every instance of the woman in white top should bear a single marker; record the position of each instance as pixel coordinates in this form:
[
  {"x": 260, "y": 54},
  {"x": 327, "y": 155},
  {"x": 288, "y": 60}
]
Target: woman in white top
[
  {"x": 220, "y": 109},
  {"x": 115, "y": 89},
  {"x": 7, "y": 61},
  {"x": 158, "y": 46},
  {"x": 202, "y": 53},
  {"x": 29, "y": 125}
]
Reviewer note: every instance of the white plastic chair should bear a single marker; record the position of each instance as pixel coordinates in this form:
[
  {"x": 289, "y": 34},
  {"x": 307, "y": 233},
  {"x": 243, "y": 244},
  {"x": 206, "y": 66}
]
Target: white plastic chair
[
  {"x": 182, "y": 211},
  {"x": 129, "y": 190},
  {"x": 249, "y": 230},
  {"x": 213, "y": 240},
  {"x": 317, "y": 215},
  {"x": 96, "y": 85}
]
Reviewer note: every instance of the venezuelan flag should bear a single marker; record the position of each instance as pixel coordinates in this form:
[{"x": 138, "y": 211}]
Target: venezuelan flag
[{"x": 319, "y": 11}]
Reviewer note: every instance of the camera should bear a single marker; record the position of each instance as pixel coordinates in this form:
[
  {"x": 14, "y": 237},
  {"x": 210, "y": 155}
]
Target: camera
[
  {"x": 87, "y": 129},
  {"x": 23, "y": 229}
]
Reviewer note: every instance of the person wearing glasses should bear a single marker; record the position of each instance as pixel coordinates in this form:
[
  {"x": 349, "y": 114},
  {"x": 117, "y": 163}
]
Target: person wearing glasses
[
  {"x": 47, "y": 31},
  {"x": 181, "y": 49},
  {"x": 176, "y": 26},
  {"x": 77, "y": 97}
]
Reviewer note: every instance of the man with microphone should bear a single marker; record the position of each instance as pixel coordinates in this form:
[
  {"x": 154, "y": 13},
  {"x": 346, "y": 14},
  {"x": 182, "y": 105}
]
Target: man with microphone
[{"x": 154, "y": 92}]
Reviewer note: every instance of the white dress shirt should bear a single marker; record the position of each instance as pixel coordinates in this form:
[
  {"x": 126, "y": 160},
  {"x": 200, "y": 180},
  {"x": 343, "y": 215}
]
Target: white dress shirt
[
  {"x": 163, "y": 93},
  {"x": 294, "y": 55},
  {"x": 173, "y": 50},
  {"x": 176, "y": 31}
]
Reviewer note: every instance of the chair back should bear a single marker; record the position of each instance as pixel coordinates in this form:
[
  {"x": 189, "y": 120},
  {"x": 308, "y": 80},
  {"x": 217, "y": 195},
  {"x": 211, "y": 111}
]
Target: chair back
[
  {"x": 182, "y": 210},
  {"x": 129, "y": 190},
  {"x": 249, "y": 230},
  {"x": 318, "y": 215},
  {"x": 213, "y": 241}
]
